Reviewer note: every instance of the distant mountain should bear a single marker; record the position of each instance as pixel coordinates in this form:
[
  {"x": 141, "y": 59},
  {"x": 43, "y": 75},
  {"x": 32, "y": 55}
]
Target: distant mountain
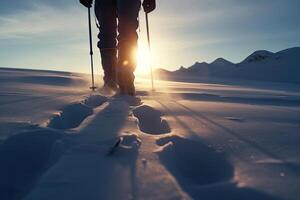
[
  {"x": 258, "y": 56},
  {"x": 221, "y": 62},
  {"x": 283, "y": 66}
]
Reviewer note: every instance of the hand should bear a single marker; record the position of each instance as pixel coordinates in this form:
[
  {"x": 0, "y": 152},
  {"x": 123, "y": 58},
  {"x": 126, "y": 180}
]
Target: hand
[
  {"x": 86, "y": 3},
  {"x": 149, "y": 5}
]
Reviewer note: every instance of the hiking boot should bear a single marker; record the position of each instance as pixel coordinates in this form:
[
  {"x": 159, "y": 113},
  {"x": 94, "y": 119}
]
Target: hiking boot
[
  {"x": 112, "y": 85},
  {"x": 109, "y": 87},
  {"x": 126, "y": 83}
]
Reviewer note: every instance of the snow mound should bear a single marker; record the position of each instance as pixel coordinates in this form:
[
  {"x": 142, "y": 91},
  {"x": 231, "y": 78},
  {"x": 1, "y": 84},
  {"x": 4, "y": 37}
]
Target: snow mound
[
  {"x": 8, "y": 129},
  {"x": 150, "y": 120},
  {"x": 57, "y": 80}
]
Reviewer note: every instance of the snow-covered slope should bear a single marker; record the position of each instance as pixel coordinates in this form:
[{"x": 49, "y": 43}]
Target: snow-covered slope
[
  {"x": 221, "y": 62},
  {"x": 205, "y": 69},
  {"x": 283, "y": 66},
  {"x": 258, "y": 56},
  {"x": 59, "y": 140}
]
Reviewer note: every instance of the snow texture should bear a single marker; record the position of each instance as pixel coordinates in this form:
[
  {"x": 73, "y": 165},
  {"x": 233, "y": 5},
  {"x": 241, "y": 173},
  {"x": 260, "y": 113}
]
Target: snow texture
[{"x": 59, "y": 140}]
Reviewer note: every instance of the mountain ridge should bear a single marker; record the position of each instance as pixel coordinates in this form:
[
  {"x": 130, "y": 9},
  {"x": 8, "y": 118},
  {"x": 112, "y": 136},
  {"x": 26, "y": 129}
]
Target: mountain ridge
[{"x": 261, "y": 65}]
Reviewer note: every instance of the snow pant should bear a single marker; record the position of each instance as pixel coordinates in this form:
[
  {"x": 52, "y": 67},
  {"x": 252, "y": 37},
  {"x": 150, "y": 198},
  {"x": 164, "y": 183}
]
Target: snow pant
[{"x": 117, "y": 16}]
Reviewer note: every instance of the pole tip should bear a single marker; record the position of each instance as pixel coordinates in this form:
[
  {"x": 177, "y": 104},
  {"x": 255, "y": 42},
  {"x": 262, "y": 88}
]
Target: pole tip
[{"x": 93, "y": 88}]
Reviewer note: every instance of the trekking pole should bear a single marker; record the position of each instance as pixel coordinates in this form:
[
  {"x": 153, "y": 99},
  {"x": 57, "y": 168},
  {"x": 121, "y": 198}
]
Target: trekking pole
[
  {"x": 149, "y": 47},
  {"x": 91, "y": 49}
]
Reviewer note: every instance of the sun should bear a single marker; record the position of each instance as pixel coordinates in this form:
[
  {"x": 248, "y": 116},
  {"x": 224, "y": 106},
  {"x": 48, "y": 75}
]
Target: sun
[{"x": 143, "y": 59}]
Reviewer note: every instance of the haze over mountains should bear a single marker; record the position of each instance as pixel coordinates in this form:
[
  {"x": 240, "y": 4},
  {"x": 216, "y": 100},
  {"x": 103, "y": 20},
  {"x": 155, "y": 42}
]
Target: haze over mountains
[{"x": 283, "y": 66}]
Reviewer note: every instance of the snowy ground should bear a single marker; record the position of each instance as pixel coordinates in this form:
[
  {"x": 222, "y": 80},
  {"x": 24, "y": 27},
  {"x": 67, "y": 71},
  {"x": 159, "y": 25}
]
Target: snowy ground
[{"x": 184, "y": 141}]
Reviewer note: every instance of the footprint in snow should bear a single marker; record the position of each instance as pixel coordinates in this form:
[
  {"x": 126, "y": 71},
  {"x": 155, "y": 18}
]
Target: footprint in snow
[
  {"x": 192, "y": 162},
  {"x": 72, "y": 115},
  {"x": 150, "y": 120}
]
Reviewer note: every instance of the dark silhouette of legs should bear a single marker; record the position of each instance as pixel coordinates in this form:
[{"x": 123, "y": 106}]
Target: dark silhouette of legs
[
  {"x": 118, "y": 69},
  {"x": 127, "y": 11},
  {"x": 106, "y": 13}
]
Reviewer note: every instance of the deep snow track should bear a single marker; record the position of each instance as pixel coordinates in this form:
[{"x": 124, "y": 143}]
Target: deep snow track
[
  {"x": 150, "y": 120},
  {"x": 85, "y": 171},
  {"x": 244, "y": 153}
]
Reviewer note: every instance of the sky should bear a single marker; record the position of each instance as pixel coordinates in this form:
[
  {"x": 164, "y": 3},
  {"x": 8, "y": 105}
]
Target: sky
[{"x": 53, "y": 34}]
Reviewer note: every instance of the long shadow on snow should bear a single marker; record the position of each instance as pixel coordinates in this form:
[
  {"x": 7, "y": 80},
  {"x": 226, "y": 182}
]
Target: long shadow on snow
[
  {"x": 264, "y": 150},
  {"x": 23, "y": 158},
  {"x": 114, "y": 171},
  {"x": 87, "y": 166},
  {"x": 188, "y": 156},
  {"x": 202, "y": 172}
]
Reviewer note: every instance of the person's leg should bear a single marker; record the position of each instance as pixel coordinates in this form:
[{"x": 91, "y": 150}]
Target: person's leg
[
  {"x": 106, "y": 13},
  {"x": 127, "y": 11}
]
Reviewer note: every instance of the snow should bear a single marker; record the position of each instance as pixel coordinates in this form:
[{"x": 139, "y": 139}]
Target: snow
[
  {"x": 283, "y": 66},
  {"x": 207, "y": 141},
  {"x": 258, "y": 56},
  {"x": 150, "y": 121},
  {"x": 221, "y": 62},
  {"x": 71, "y": 116}
]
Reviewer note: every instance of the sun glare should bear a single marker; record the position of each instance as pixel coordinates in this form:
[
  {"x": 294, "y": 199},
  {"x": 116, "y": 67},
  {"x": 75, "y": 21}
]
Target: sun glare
[{"x": 144, "y": 60}]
